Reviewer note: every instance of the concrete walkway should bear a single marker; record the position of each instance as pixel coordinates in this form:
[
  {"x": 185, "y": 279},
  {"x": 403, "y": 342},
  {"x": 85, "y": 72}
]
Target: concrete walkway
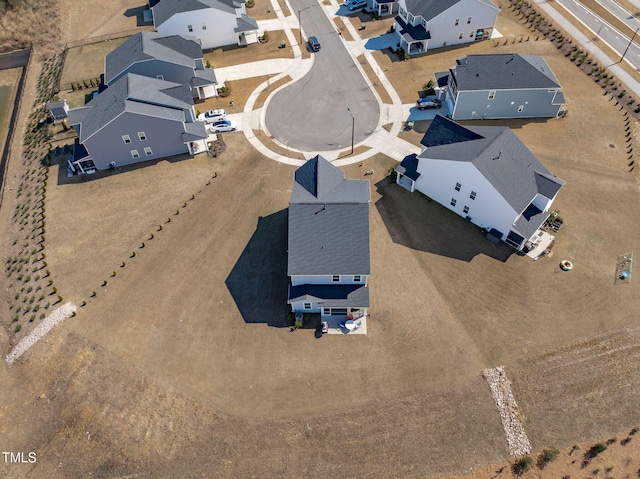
[
  {"x": 588, "y": 44},
  {"x": 380, "y": 141}
]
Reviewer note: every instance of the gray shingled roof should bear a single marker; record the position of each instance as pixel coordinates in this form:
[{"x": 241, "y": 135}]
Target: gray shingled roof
[
  {"x": 409, "y": 167},
  {"x": 331, "y": 296},
  {"x": 498, "y": 154},
  {"x": 132, "y": 93},
  {"x": 149, "y": 45},
  {"x": 194, "y": 131},
  {"x": 245, "y": 24},
  {"x": 502, "y": 71},
  {"x": 204, "y": 77},
  {"x": 429, "y": 9},
  {"x": 167, "y": 8},
  {"x": 58, "y": 109},
  {"x": 328, "y": 222}
]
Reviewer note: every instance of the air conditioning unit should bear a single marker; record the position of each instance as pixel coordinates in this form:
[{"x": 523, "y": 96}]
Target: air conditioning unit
[{"x": 112, "y": 165}]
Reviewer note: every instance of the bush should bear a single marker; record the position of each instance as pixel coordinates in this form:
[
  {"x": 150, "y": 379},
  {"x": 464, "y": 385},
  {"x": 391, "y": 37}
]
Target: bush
[
  {"x": 522, "y": 465},
  {"x": 547, "y": 456},
  {"x": 18, "y": 328}
]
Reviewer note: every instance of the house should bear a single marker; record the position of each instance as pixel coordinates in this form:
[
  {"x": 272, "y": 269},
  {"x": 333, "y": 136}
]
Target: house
[
  {"x": 328, "y": 243},
  {"x": 501, "y": 86},
  {"x": 383, "y": 8},
  {"x": 427, "y": 24},
  {"x": 214, "y": 23},
  {"x": 135, "y": 119},
  {"x": 486, "y": 175},
  {"x": 174, "y": 58}
]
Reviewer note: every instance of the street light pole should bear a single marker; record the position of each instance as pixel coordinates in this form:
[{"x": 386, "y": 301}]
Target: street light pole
[
  {"x": 630, "y": 42},
  {"x": 299, "y": 23},
  {"x": 353, "y": 128}
]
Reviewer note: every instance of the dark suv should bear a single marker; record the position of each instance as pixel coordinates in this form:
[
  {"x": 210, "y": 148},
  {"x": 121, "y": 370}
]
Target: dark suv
[
  {"x": 426, "y": 103},
  {"x": 314, "y": 44}
]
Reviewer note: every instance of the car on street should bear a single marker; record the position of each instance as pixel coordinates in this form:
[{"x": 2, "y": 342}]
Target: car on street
[
  {"x": 314, "y": 44},
  {"x": 223, "y": 125},
  {"x": 428, "y": 103},
  {"x": 212, "y": 116},
  {"x": 355, "y": 4}
]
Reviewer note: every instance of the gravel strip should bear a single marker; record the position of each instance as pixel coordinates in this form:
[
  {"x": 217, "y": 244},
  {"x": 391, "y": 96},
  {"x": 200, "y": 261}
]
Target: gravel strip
[
  {"x": 63, "y": 312},
  {"x": 501, "y": 389}
]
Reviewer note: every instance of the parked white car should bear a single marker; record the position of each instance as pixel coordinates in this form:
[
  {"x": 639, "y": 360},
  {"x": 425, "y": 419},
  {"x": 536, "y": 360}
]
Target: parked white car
[
  {"x": 212, "y": 116},
  {"x": 355, "y": 4},
  {"x": 224, "y": 125}
]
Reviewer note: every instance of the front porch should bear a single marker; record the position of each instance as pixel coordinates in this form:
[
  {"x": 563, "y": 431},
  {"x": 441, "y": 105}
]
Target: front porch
[
  {"x": 414, "y": 39},
  {"x": 385, "y": 8}
]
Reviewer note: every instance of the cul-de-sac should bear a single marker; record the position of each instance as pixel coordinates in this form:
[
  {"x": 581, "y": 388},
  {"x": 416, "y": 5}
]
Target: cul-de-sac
[{"x": 319, "y": 238}]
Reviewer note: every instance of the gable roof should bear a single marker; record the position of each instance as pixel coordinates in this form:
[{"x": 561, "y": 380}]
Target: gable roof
[
  {"x": 502, "y": 71},
  {"x": 133, "y": 93},
  {"x": 245, "y": 24},
  {"x": 328, "y": 222},
  {"x": 497, "y": 154},
  {"x": 165, "y": 9},
  {"x": 151, "y": 45},
  {"x": 429, "y": 9}
]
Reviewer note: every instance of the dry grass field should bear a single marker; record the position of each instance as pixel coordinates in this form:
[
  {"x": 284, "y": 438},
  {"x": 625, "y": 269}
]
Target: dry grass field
[{"x": 182, "y": 364}]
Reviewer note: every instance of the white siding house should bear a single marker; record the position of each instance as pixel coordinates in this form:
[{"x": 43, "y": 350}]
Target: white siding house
[
  {"x": 501, "y": 86},
  {"x": 485, "y": 175},
  {"x": 328, "y": 242},
  {"x": 214, "y": 23},
  {"x": 426, "y": 24}
]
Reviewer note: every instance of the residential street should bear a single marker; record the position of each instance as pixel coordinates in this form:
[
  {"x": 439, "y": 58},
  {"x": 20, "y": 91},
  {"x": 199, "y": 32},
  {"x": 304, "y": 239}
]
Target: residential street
[{"x": 333, "y": 85}]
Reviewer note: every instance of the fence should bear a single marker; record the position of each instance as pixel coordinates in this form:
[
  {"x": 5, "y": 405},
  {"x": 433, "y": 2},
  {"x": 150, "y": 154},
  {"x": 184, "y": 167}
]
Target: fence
[
  {"x": 16, "y": 59},
  {"x": 103, "y": 38}
]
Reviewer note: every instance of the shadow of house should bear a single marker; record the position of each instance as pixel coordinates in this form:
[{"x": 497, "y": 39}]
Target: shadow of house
[
  {"x": 388, "y": 40},
  {"x": 138, "y": 12},
  {"x": 417, "y": 222},
  {"x": 258, "y": 281}
]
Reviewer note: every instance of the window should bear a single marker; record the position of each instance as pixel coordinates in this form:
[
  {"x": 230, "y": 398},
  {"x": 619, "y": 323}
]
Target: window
[
  {"x": 472, "y": 34},
  {"x": 453, "y": 201},
  {"x": 468, "y": 20},
  {"x": 142, "y": 135},
  {"x": 190, "y": 28},
  {"x": 160, "y": 77},
  {"x": 126, "y": 139},
  {"x": 520, "y": 108},
  {"x": 472, "y": 195},
  {"x": 465, "y": 210},
  {"x": 458, "y": 186},
  {"x": 357, "y": 278},
  {"x": 135, "y": 153},
  {"x": 492, "y": 94},
  {"x": 307, "y": 305},
  {"x": 457, "y": 22},
  {"x": 204, "y": 26},
  {"x": 410, "y": 19},
  {"x": 335, "y": 278},
  {"x": 460, "y": 36},
  {"x": 147, "y": 151},
  {"x": 326, "y": 311}
]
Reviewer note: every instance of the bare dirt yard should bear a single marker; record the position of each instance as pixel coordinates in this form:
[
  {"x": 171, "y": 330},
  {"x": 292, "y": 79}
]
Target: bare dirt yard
[{"x": 182, "y": 363}]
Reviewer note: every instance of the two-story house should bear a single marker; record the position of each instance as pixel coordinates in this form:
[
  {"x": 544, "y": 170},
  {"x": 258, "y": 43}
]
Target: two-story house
[
  {"x": 485, "y": 175},
  {"x": 426, "y": 24},
  {"x": 175, "y": 58},
  {"x": 328, "y": 243},
  {"x": 214, "y": 23},
  {"x": 135, "y": 119},
  {"x": 383, "y": 8},
  {"x": 501, "y": 85}
]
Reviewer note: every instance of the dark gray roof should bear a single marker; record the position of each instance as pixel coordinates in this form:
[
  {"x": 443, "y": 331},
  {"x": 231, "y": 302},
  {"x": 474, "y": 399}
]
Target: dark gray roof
[
  {"x": 245, "y": 24},
  {"x": 133, "y": 93},
  {"x": 204, "y": 77},
  {"x": 409, "y": 167},
  {"x": 328, "y": 222},
  {"x": 442, "y": 78},
  {"x": 194, "y": 131},
  {"x": 498, "y": 154},
  {"x": 502, "y": 71},
  {"x": 150, "y": 45},
  {"x": 412, "y": 32},
  {"x": 530, "y": 221},
  {"x": 331, "y": 296},
  {"x": 58, "y": 109},
  {"x": 558, "y": 98},
  {"x": 429, "y": 9},
  {"x": 165, "y": 9}
]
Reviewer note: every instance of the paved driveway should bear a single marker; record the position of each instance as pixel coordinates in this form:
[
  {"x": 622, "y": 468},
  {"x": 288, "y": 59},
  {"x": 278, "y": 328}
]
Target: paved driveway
[{"x": 311, "y": 114}]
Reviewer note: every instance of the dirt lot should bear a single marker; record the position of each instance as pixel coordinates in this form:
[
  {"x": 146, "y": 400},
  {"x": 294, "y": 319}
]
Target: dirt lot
[
  {"x": 87, "y": 62},
  {"x": 235, "y": 55},
  {"x": 183, "y": 364}
]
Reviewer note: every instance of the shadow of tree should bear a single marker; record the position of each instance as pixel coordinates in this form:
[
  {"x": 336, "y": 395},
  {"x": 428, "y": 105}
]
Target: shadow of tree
[{"x": 258, "y": 281}]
